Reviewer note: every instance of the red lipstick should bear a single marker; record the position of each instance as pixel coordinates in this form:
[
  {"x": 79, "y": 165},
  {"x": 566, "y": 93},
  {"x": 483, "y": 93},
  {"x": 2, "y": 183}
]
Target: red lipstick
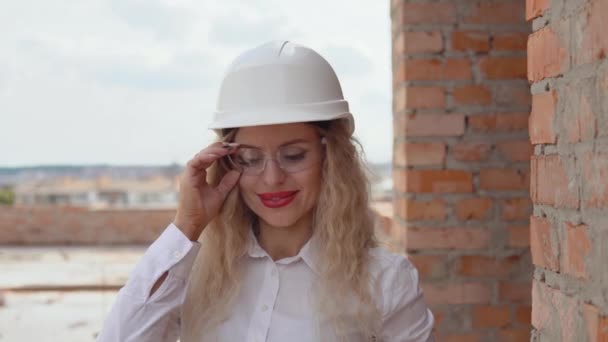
[{"x": 277, "y": 199}]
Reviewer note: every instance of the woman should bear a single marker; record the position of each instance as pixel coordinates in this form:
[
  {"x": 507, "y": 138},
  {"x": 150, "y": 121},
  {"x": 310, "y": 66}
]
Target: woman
[{"x": 273, "y": 239}]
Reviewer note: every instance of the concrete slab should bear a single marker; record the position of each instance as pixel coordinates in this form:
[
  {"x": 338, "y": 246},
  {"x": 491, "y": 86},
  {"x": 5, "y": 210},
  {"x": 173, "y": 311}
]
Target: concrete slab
[
  {"x": 68, "y": 266},
  {"x": 54, "y": 316}
]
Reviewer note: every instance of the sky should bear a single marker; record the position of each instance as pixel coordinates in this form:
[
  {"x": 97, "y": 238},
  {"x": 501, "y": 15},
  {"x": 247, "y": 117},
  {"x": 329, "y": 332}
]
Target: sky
[{"x": 131, "y": 82}]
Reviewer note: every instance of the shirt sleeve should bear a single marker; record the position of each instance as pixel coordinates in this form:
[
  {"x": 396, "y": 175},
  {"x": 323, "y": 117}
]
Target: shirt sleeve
[
  {"x": 137, "y": 316},
  {"x": 406, "y": 316}
]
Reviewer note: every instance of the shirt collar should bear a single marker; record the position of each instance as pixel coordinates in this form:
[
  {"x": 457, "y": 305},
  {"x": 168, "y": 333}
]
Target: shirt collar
[{"x": 308, "y": 252}]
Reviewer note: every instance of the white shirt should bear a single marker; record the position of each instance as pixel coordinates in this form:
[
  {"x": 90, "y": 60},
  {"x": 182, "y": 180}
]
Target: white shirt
[{"x": 271, "y": 305}]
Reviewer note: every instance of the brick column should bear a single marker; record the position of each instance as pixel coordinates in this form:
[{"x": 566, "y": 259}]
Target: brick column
[
  {"x": 461, "y": 162},
  {"x": 568, "y": 70}
]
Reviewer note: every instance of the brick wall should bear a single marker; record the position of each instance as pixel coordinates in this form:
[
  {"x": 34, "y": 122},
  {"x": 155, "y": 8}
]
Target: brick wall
[
  {"x": 66, "y": 226},
  {"x": 54, "y": 225},
  {"x": 462, "y": 162},
  {"x": 568, "y": 69}
]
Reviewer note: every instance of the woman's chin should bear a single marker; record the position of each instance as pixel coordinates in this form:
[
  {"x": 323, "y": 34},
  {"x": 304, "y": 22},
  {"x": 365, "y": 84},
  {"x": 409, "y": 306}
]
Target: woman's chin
[{"x": 278, "y": 221}]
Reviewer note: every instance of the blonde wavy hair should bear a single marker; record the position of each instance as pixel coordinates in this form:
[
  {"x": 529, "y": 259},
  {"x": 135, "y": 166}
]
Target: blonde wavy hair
[{"x": 342, "y": 220}]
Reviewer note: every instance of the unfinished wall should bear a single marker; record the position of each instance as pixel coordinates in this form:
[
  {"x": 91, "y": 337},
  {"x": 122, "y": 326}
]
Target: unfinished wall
[
  {"x": 568, "y": 70},
  {"x": 461, "y": 103}
]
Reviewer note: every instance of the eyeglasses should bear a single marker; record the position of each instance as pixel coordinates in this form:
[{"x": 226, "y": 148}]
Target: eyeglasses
[{"x": 290, "y": 158}]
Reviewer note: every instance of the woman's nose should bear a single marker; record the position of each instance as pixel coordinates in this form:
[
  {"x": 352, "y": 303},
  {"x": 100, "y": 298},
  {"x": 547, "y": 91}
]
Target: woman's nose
[{"x": 272, "y": 173}]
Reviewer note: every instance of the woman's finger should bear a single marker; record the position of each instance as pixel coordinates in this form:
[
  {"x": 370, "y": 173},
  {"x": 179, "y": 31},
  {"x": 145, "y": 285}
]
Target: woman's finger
[
  {"x": 207, "y": 156},
  {"x": 227, "y": 183}
]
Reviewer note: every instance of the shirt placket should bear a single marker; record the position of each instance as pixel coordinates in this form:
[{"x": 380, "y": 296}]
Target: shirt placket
[{"x": 262, "y": 315}]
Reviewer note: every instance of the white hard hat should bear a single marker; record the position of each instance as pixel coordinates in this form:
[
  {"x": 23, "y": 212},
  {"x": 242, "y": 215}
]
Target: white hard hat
[{"x": 279, "y": 82}]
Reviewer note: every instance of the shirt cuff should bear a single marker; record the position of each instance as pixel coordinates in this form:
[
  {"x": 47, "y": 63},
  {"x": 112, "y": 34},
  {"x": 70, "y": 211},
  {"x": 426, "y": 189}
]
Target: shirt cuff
[{"x": 172, "y": 251}]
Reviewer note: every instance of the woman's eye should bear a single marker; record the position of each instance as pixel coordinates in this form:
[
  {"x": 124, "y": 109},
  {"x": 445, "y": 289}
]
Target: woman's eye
[
  {"x": 295, "y": 157},
  {"x": 249, "y": 161}
]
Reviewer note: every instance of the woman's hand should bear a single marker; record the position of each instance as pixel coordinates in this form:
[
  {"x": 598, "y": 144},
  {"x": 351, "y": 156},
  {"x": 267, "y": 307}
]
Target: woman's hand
[{"x": 200, "y": 202}]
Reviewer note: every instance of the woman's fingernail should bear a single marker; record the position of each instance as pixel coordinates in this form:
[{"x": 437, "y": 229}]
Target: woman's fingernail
[{"x": 233, "y": 144}]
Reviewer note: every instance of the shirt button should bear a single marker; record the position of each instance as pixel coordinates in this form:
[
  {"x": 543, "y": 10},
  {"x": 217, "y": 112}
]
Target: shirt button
[
  {"x": 177, "y": 255},
  {"x": 264, "y": 308},
  {"x": 274, "y": 272}
]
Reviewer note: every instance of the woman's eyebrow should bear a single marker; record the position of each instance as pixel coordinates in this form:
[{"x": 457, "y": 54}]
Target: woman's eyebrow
[{"x": 294, "y": 141}]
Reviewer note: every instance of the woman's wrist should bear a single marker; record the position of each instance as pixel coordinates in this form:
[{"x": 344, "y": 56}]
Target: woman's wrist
[{"x": 188, "y": 228}]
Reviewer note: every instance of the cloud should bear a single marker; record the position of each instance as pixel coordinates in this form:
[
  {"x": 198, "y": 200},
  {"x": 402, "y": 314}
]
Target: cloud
[
  {"x": 153, "y": 69},
  {"x": 348, "y": 61},
  {"x": 182, "y": 72},
  {"x": 235, "y": 29},
  {"x": 166, "y": 21}
]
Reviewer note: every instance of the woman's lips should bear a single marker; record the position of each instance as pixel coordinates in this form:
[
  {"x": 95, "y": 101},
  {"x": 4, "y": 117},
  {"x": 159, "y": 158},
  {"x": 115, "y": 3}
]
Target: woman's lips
[{"x": 277, "y": 199}]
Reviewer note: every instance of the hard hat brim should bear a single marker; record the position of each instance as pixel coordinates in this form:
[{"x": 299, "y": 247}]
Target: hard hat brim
[{"x": 236, "y": 119}]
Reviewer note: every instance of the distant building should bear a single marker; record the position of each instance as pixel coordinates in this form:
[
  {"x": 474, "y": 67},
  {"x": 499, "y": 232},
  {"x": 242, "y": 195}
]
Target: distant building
[{"x": 101, "y": 193}]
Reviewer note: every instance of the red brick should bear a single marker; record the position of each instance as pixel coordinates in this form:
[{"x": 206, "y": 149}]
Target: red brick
[
  {"x": 454, "y": 293},
  {"x": 591, "y": 315},
  {"x": 583, "y": 128},
  {"x": 535, "y": 8},
  {"x": 534, "y": 172},
  {"x": 502, "y": 122},
  {"x": 515, "y": 151},
  {"x": 547, "y": 56},
  {"x": 595, "y": 173},
  {"x": 433, "y": 125},
  {"x": 541, "y": 128},
  {"x": 421, "y": 41},
  {"x": 602, "y": 330},
  {"x": 503, "y": 67},
  {"x": 488, "y": 316},
  {"x": 496, "y": 12},
  {"x": 430, "y": 266},
  {"x": 510, "y": 41},
  {"x": 428, "y": 13},
  {"x": 399, "y": 180},
  {"x": 473, "y": 208},
  {"x": 460, "y": 337},
  {"x": 523, "y": 314},
  {"x": 471, "y": 151},
  {"x": 504, "y": 179},
  {"x": 486, "y": 266},
  {"x": 416, "y": 154},
  {"x": 437, "y": 69},
  {"x": 597, "y": 325},
  {"x": 519, "y": 236},
  {"x": 514, "y": 292},
  {"x": 576, "y": 250},
  {"x": 516, "y": 208},
  {"x": 438, "y": 181},
  {"x": 472, "y": 95},
  {"x": 414, "y": 210},
  {"x": 424, "y": 98},
  {"x": 513, "y": 335},
  {"x": 477, "y": 41},
  {"x": 542, "y": 244},
  {"x": 551, "y": 184},
  {"x": 552, "y": 308},
  {"x": 513, "y": 95},
  {"x": 446, "y": 238},
  {"x": 440, "y": 312},
  {"x": 398, "y": 74}
]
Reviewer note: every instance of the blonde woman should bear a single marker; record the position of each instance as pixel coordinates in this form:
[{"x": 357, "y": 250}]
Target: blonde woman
[{"x": 272, "y": 239}]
